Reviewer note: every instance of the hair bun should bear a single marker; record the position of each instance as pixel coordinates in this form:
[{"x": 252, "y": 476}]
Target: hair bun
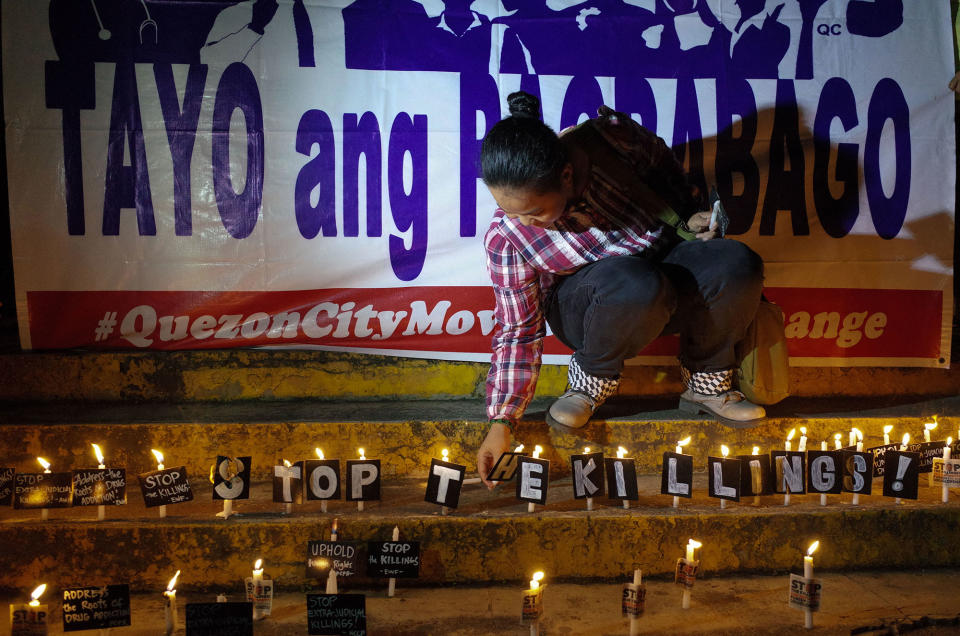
[{"x": 523, "y": 104}]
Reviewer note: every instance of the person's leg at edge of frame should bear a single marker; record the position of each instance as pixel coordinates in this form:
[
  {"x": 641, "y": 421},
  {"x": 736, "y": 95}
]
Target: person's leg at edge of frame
[
  {"x": 606, "y": 312},
  {"x": 719, "y": 284}
]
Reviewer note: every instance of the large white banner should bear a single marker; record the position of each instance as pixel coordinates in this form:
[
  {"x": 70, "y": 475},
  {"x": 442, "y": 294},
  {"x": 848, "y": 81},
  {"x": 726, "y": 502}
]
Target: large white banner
[{"x": 223, "y": 174}]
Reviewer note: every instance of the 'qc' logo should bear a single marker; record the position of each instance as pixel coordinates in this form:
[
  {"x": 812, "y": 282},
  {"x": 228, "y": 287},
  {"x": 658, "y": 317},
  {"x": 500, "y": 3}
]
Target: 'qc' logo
[{"x": 829, "y": 29}]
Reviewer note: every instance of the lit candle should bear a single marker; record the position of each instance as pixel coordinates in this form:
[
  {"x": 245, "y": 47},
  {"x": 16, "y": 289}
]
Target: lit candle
[
  {"x": 362, "y": 453},
  {"x": 837, "y": 441},
  {"x": 724, "y": 450},
  {"x": 536, "y": 455},
  {"x": 802, "y": 446},
  {"x": 929, "y": 426},
  {"x": 36, "y": 594},
  {"x": 444, "y": 454},
  {"x": 170, "y": 604},
  {"x": 586, "y": 451},
  {"x": 852, "y": 437},
  {"x": 32, "y": 617},
  {"x": 903, "y": 446},
  {"x": 101, "y": 509},
  {"x": 823, "y": 495},
  {"x": 161, "y": 510},
  {"x": 692, "y": 546},
  {"x": 808, "y": 574},
  {"x": 621, "y": 453},
  {"x": 534, "y": 588},
  {"x": 287, "y": 507},
  {"x": 634, "y": 621},
  {"x": 323, "y": 502},
  {"x": 44, "y": 513},
  {"x": 788, "y": 445},
  {"x": 679, "y": 450},
  {"x": 756, "y": 477},
  {"x": 258, "y": 594},
  {"x": 855, "y": 500},
  {"x": 945, "y": 492},
  {"x": 392, "y": 582},
  {"x": 334, "y": 529},
  {"x": 886, "y": 434}
]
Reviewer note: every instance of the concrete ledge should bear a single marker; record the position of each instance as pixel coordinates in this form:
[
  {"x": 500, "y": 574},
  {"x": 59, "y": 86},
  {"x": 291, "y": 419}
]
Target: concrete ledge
[{"x": 245, "y": 374}]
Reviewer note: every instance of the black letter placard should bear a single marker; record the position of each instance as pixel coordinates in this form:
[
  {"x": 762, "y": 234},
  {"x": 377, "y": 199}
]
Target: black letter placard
[
  {"x": 363, "y": 480},
  {"x": 621, "y": 478},
  {"x": 755, "y": 476},
  {"x": 506, "y": 467},
  {"x": 824, "y": 471},
  {"x": 587, "y": 475},
  {"x": 288, "y": 483},
  {"x": 723, "y": 478},
  {"x": 323, "y": 479},
  {"x": 6, "y": 485},
  {"x": 231, "y": 478},
  {"x": 901, "y": 476},
  {"x": 788, "y": 467},
  {"x": 533, "y": 477},
  {"x": 677, "y": 476},
  {"x": 857, "y": 472},
  {"x": 444, "y": 483}
]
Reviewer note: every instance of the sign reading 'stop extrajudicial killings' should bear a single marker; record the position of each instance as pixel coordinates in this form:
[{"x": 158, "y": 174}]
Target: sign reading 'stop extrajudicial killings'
[{"x": 146, "y": 137}]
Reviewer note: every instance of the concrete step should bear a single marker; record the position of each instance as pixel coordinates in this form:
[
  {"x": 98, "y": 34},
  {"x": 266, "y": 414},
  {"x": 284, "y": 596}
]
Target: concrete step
[
  {"x": 871, "y": 602},
  {"x": 259, "y": 374}
]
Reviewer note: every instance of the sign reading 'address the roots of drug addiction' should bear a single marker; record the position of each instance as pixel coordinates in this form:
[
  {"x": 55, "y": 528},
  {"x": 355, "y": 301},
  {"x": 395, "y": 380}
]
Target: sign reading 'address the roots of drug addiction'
[{"x": 96, "y": 607}]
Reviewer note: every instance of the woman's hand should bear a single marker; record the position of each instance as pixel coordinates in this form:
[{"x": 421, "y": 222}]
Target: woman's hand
[
  {"x": 700, "y": 225},
  {"x": 495, "y": 444}
]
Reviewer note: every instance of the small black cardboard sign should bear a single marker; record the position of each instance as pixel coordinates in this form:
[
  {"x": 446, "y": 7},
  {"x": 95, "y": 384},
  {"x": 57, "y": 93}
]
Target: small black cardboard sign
[
  {"x": 676, "y": 477},
  {"x": 6, "y": 485},
  {"x": 505, "y": 468},
  {"x": 621, "y": 478},
  {"x": 879, "y": 457},
  {"x": 825, "y": 471},
  {"x": 43, "y": 490},
  {"x": 444, "y": 483},
  {"x": 755, "y": 476},
  {"x": 928, "y": 451},
  {"x": 633, "y": 599},
  {"x": 345, "y": 557},
  {"x": 788, "y": 470},
  {"x": 533, "y": 477},
  {"x": 100, "y": 487},
  {"x": 219, "y": 619},
  {"x": 322, "y": 479},
  {"x": 857, "y": 472},
  {"x": 723, "y": 478},
  {"x": 288, "y": 483},
  {"x": 587, "y": 473},
  {"x": 231, "y": 478},
  {"x": 393, "y": 559},
  {"x": 363, "y": 480},
  {"x": 804, "y": 593},
  {"x": 337, "y": 614},
  {"x": 165, "y": 487},
  {"x": 101, "y": 607},
  {"x": 901, "y": 477}
]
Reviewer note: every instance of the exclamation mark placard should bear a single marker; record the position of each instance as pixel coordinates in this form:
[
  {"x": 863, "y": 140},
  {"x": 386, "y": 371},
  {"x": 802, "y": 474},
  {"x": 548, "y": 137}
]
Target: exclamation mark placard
[{"x": 901, "y": 475}]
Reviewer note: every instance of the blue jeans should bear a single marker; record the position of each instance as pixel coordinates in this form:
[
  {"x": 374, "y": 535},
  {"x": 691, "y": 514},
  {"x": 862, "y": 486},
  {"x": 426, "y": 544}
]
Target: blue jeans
[{"x": 705, "y": 291}]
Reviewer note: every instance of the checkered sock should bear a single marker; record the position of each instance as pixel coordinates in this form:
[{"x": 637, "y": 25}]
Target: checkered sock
[
  {"x": 597, "y": 388},
  {"x": 707, "y": 382}
]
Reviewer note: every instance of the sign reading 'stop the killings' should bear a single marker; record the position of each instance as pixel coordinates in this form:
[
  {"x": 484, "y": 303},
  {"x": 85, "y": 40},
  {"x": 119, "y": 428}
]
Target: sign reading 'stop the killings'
[
  {"x": 165, "y": 487},
  {"x": 393, "y": 559},
  {"x": 100, "y": 487},
  {"x": 43, "y": 490},
  {"x": 102, "y": 607}
]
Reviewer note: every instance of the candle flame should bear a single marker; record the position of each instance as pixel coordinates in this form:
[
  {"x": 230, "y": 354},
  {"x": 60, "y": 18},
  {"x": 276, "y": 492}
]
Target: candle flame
[
  {"x": 535, "y": 581},
  {"x": 756, "y": 450},
  {"x": 38, "y": 592},
  {"x": 319, "y": 452},
  {"x": 537, "y": 450},
  {"x": 930, "y": 425},
  {"x": 949, "y": 441},
  {"x": 44, "y": 463},
  {"x": 586, "y": 450},
  {"x": 98, "y": 453},
  {"x": 518, "y": 449},
  {"x": 693, "y": 543},
  {"x": 621, "y": 452},
  {"x": 256, "y": 566},
  {"x": 857, "y": 433},
  {"x": 445, "y": 453},
  {"x": 887, "y": 428},
  {"x": 813, "y": 548},
  {"x": 790, "y": 435},
  {"x": 173, "y": 582},
  {"x": 158, "y": 455},
  {"x": 362, "y": 453},
  {"x": 837, "y": 436},
  {"x": 906, "y": 439},
  {"x": 287, "y": 464},
  {"x": 724, "y": 450},
  {"x": 803, "y": 430},
  {"x": 684, "y": 441}
]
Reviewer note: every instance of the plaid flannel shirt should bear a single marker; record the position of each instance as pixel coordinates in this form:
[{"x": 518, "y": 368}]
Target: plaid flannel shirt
[{"x": 523, "y": 262}]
